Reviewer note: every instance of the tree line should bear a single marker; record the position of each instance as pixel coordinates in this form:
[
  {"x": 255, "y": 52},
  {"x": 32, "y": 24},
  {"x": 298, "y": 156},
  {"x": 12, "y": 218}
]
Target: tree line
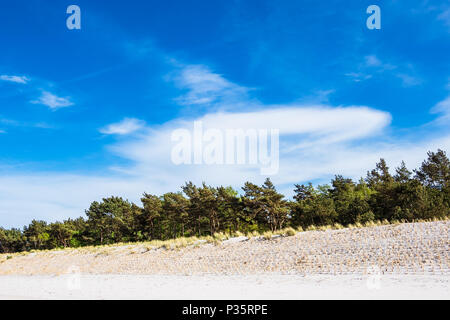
[{"x": 405, "y": 195}]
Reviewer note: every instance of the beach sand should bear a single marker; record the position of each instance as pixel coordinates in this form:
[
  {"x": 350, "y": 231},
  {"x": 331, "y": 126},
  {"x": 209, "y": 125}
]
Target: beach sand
[{"x": 268, "y": 286}]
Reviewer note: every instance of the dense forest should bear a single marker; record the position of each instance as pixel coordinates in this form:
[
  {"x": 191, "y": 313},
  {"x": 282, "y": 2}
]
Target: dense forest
[{"x": 203, "y": 210}]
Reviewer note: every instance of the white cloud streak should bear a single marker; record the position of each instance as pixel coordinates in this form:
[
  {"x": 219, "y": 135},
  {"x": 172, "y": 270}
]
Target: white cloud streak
[
  {"x": 53, "y": 101},
  {"x": 15, "y": 79},
  {"x": 124, "y": 127},
  {"x": 372, "y": 66},
  {"x": 205, "y": 87},
  {"x": 443, "y": 109}
]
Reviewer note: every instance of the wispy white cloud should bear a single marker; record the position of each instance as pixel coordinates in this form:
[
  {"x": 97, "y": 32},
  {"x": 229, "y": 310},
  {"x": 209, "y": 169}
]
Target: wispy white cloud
[
  {"x": 358, "y": 76},
  {"x": 408, "y": 80},
  {"x": 53, "y": 101},
  {"x": 16, "y": 79},
  {"x": 302, "y": 128},
  {"x": 445, "y": 17},
  {"x": 205, "y": 87},
  {"x": 443, "y": 109},
  {"x": 373, "y": 65},
  {"x": 124, "y": 127},
  {"x": 26, "y": 124},
  {"x": 372, "y": 61}
]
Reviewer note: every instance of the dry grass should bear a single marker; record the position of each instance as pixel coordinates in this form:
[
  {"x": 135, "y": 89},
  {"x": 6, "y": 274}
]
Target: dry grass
[
  {"x": 397, "y": 248},
  {"x": 217, "y": 239}
]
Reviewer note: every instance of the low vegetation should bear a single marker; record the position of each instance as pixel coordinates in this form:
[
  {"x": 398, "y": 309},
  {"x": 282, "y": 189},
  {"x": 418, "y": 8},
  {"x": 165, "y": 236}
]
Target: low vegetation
[{"x": 397, "y": 248}]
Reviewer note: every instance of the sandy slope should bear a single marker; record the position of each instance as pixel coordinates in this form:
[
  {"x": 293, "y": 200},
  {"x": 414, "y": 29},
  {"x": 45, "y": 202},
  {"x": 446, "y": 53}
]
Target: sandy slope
[{"x": 395, "y": 261}]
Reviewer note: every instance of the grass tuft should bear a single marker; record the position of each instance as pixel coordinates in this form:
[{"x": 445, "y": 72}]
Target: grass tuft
[{"x": 289, "y": 232}]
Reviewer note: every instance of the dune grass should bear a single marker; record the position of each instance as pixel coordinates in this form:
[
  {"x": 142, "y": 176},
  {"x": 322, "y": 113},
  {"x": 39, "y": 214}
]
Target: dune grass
[{"x": 194, "y": 241}]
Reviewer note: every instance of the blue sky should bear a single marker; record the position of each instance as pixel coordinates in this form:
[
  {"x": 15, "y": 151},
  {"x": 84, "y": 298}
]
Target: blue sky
[{"x": 88, "y": 113}]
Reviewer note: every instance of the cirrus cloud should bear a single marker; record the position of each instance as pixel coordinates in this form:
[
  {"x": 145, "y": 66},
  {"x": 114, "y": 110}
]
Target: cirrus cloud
[
  {"x": 124, "y": 127},
  {"x": 15, "y": 79},
  {"x": 53, "y": 101}
]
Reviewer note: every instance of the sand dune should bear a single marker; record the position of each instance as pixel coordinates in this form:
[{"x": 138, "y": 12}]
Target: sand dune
[{"x": 392, "y": 261}]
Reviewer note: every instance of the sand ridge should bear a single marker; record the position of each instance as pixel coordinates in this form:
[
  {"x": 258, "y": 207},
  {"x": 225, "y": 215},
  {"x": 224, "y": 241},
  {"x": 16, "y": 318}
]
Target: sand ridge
[{"x": 410, "y": 248}]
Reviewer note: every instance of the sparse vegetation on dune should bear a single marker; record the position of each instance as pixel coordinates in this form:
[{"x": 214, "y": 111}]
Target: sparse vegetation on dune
[
  {"x": 418, "y": 248},
  {"x": 216, "y": 239}
]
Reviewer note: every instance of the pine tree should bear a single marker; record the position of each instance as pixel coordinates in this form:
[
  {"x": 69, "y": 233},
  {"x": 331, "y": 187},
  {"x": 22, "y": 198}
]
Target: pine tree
[
  {"x": 435, "y": 171},
  {"x": 150, "y": 220}
]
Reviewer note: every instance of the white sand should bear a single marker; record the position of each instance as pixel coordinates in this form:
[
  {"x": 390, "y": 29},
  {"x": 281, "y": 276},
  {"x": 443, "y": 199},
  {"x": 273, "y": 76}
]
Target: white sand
[{"x": 225, "y": 287}]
